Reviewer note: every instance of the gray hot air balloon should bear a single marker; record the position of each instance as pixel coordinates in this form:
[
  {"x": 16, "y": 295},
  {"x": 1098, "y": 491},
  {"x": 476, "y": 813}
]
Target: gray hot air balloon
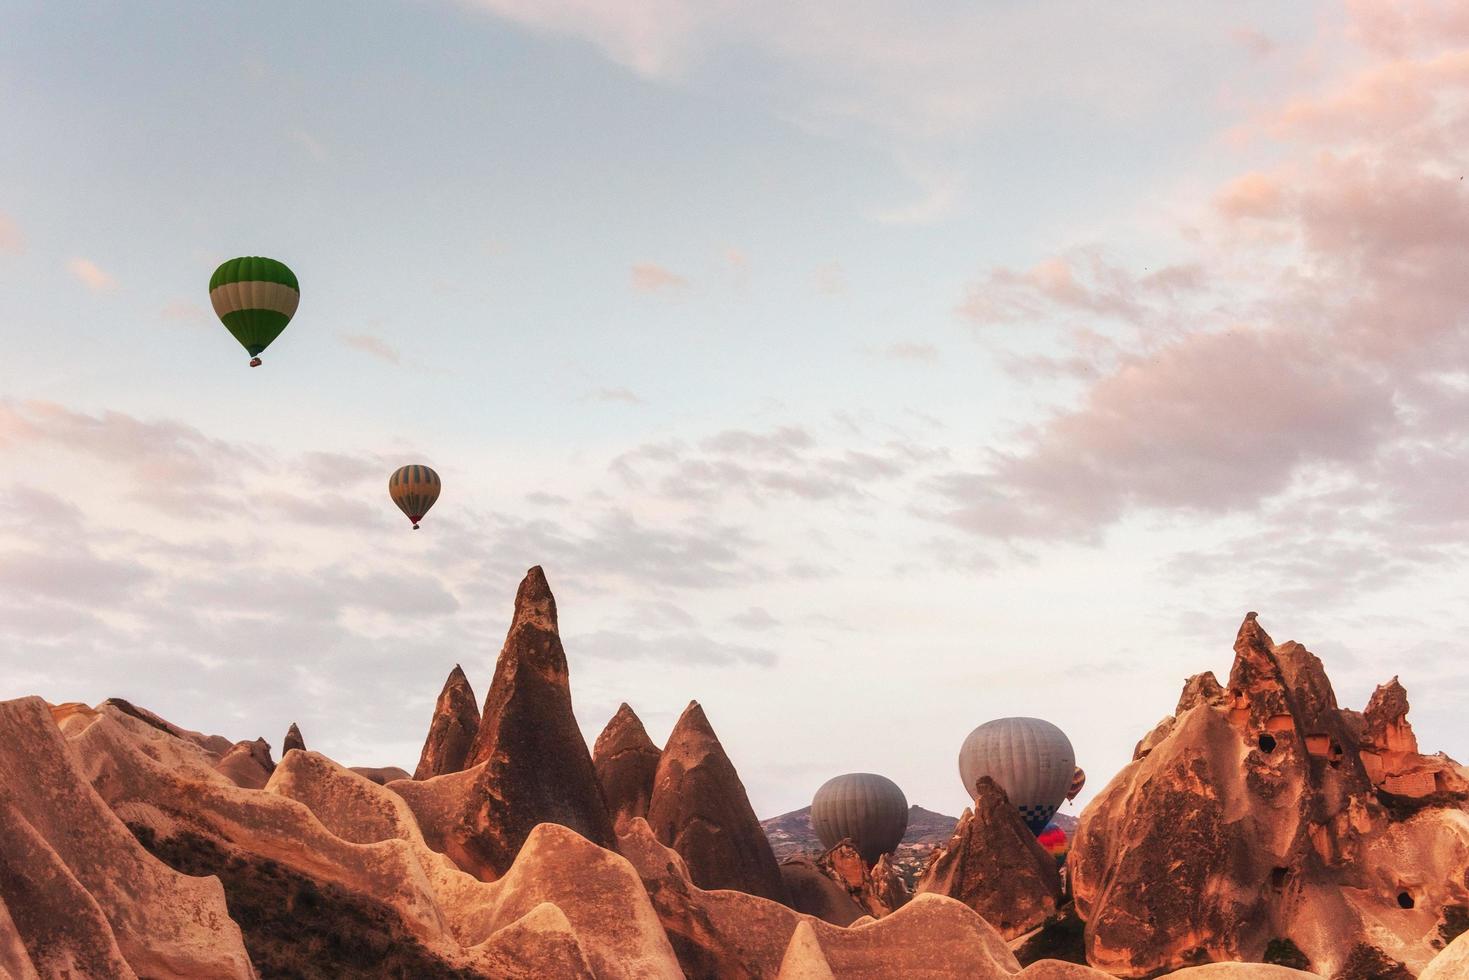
[
  {"x": 1031, "y": 759},
  {"x": 868, "y": 808}
]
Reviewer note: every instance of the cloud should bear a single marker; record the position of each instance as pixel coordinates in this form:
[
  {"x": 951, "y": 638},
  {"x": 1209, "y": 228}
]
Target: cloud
[
  {"x": 160, "y": 455},
  {"x": 1256, "y": 42},
  {"x": 939, "y": 194},
  {"x": 12, "y": 242},
  {"x": 907, "y": 350},
  {"x": 89, "y": 275},
  {"x": 670, "y": 648},
  {"x": 623, "y": 395},
  {"x": 182, "y": 310},
  {"x": 783, "y": 462},
  {"x": 830, "y": 280},
  {"x": 1306, "y": 335},
  {"x": 1080, "y": 282},
  {"x": 739, "y": 265},
  {"x": 650, "y": 278},
  {"x": 754, "y": 618},
  {"x": 372, "y": 346}
]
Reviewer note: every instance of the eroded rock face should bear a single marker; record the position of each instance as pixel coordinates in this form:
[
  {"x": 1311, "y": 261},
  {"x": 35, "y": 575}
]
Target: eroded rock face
[
  {"x": 812, "y": 891},
  {"x": 994, "y": 865},
  {"x": 1255, "y": 816},
  {"x": 329, "y": 875},
  {"x": 528, "y": 764},
  {"x": 382, "y": 775},
  {"x": 452, "y": 731},
  {"x": 626, "y": 761},
  {"x": 1389, "y": 752},
  {"x": 877, "y": 890},
  {"x": 699, "y": 808},
  {"x": 78, "y": 895},
  {"x": 248, "y": 764},
  {"x": 730, "y": 934},
  {"x": 293, "y": 740}
]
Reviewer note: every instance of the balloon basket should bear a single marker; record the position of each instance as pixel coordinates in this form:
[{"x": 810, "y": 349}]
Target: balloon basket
[{"x": 254, "y": 362}]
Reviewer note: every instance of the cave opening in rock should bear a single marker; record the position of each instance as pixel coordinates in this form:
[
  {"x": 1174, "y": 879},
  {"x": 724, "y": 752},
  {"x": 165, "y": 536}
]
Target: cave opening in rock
[
  {"x": 1277, "y": 878},
  {"x": 1405, "y": 900},
  {"x": 1267, "y": 742}
]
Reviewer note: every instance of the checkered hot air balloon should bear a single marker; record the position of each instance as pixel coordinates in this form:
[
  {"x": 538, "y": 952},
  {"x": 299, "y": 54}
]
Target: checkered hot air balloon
[
  {"x": 1031, "y": 759},
  {"x": 414, "y": 489},
  {"x": 255, "y": 298}
]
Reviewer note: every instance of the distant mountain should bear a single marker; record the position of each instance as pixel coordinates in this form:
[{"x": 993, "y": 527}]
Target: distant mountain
[{"x": 791, "y": 833}]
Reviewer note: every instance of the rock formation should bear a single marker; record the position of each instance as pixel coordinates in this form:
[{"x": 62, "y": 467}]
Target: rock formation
[
  {"x": 328, "y": 874},
  {"x": 812, "y": 891},
  {"x": 1254, "y": 818},
  {"x": 699, "y": 808},
  {"x": 528, "y": 764},
  {"x": 78, "y": 895},
  {"x": 453, "y": 729},
  {"x": 626, "y": 761},
  {"x": 1452, "y": 963},
  {"x": 994, "y": 865},
  {"x": 876, "y": 891},
  {"x": 248, "y": 764},
  {"x": 382, "y": 775},
  {"x": 1389, "y": 752},
  {"x": 725, "y": 933},
  {"x": 293, "y": 740}
]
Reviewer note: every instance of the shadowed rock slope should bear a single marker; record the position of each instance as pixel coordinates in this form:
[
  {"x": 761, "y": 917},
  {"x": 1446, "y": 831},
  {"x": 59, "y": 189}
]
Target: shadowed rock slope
[
  {"x": 699, "y": 808},
  {"x": 994, "y": 865},
  {"x": 626, "y": 761},
  {"x": 528, "y": 764},
  {"x": 452, "y": 731}
]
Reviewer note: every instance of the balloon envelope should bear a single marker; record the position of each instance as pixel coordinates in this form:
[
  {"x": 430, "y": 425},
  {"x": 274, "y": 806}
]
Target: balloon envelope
[
  {"x": 1078, "y": 780},
  {"x": 868, "y": 808},
  {"x": 1031, "y": 759},
  {"x": 1053, "y": 839},
  {"x": 255, "y": 298},
  {"x": 414, "y": 489}
]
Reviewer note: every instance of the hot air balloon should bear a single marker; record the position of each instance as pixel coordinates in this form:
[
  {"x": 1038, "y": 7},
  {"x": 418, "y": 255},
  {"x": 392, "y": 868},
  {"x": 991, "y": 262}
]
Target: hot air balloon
[
  {"x": 414, "y": 489},
  {"x": 255, "y": 298},
  {"x": 867, "y": 808},
  {"x": 1053, "y": 839},
  {"x": 1078, "y": 780},
  {"x": 1032, "y": 761}
]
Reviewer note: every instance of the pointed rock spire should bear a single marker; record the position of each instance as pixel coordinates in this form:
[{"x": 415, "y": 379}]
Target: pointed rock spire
[
  {"x": 699, "y": 808},
  {"x": 626, "y": 761},
  {"x": 528, "y": 764},
  {"x": 994, "y": 865},
  {"x": 293, "y": 740},
  {"x": 453, "y": 729}
]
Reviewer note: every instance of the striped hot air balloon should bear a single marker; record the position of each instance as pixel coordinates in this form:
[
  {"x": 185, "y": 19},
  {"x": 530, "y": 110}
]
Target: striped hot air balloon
[
  {"x": 414, "y": 489},
  {"x": 863, "y": 806},
  {"x": 1078, "y": 780},
  {"x": 1030, "y": 758},
  {"x": 255, "y": 298}
]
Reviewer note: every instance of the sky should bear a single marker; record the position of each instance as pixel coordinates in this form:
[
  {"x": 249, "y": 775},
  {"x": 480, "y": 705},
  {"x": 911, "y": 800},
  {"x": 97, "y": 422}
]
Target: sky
[{"x": 864, "y": 371}]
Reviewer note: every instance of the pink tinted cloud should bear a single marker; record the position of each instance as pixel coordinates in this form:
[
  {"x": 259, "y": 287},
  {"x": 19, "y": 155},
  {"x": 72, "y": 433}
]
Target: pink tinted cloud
[
  {"x": 1406, "y": 25},
  {"x": 650, "y": 278},
  {"x": 1080, "y": 281},
  {"x": 1342, "y": 311},
  {"x": 12, "y": 242},
  {"x": 89, "y": 274},
  {"x": 373, "y": 346}
]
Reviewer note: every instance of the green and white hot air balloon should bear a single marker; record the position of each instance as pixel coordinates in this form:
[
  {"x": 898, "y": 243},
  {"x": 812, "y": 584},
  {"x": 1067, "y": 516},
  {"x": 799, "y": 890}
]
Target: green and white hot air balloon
[{"x": 255, "y": 298}]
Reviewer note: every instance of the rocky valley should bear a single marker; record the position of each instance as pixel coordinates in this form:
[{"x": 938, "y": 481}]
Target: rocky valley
[{"x": 1261, "y": 832}]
